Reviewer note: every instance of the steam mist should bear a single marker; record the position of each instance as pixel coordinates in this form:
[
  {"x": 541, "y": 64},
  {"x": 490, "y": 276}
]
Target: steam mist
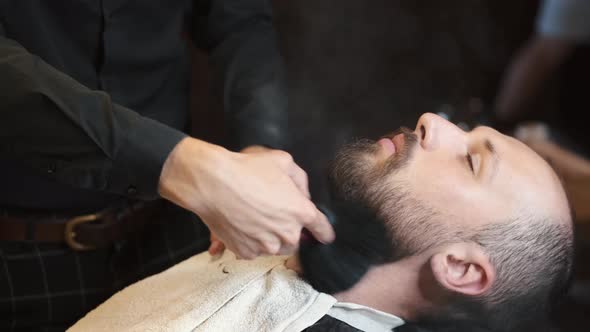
[{"x": 364, "y": 68}]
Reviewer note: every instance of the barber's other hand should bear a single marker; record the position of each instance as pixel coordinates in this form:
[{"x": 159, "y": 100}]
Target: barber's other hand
[
  {"x": 216, "y": 246},
  {"x": 256, "y": 202}
]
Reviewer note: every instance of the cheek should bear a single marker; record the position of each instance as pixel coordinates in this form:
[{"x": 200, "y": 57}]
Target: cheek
[
  {"x": 445, "y": 186},
  {"x": 432, "y": 172}
]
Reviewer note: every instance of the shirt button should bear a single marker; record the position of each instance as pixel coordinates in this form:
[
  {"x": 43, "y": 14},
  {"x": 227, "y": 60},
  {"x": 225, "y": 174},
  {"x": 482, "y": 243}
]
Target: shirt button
[
  {"x": 131, "y": 190},
  {"x": 51, "y": 169}
]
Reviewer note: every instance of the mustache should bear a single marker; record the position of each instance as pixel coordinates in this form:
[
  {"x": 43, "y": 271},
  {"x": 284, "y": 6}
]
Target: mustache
[
  {"x": 409, "y": 135},
  {"x": 350, "y": 168}
]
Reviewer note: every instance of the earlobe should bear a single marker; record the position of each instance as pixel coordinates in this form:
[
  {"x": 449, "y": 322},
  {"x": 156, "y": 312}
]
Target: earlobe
[{"x": 464, "y": 269}]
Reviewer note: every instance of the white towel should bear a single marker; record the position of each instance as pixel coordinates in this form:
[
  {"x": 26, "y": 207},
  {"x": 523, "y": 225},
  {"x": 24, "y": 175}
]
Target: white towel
[{"x": 207, "y": 294}]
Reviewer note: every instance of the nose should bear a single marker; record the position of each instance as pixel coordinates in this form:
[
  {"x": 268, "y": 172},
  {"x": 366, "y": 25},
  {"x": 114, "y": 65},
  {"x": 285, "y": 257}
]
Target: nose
[{"x": 436, "y": 132}]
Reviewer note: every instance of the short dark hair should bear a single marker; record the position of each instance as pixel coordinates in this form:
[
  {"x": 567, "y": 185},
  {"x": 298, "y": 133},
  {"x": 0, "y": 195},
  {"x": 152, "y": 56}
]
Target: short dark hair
[
  {"x": 534, "y": 262},
  {"x": 532, "y": 255}
]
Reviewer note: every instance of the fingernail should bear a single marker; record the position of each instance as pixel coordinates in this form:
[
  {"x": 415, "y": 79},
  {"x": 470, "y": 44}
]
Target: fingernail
[{"x": 331, "y": 239}]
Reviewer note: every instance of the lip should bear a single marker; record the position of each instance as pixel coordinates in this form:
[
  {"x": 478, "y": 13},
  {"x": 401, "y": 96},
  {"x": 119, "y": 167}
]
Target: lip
[
  {"x": 388, "y": 145},
  {"x": 391, "y": 145}
]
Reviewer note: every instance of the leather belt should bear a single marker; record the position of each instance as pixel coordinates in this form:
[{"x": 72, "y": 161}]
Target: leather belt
[{"x": 82, "y": 232}]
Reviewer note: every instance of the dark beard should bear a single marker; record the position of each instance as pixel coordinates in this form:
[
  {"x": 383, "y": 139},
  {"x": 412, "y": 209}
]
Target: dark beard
[
  {"x": 363, "y": 239},
  {"x": 355, "y": 176},
  {"x": 409, "y": 220}
]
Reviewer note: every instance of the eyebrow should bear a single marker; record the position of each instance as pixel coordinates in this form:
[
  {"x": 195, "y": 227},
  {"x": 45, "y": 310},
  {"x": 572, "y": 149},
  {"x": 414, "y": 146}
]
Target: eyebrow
[
  {"x": 490, "y": 146},
  {"x": 492, "y": 149}
]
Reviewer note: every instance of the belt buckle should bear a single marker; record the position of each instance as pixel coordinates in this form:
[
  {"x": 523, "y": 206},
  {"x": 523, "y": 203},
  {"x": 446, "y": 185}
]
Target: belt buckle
[{"x": 70, "y": 231}]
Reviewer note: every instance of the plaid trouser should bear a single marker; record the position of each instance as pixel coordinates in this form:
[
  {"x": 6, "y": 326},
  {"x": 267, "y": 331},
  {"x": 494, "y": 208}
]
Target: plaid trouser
[{"x": 48, "y": 287}]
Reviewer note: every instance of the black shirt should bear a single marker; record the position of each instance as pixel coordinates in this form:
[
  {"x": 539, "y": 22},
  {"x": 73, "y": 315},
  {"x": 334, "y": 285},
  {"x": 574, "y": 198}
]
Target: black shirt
[
  {"x": 94, "y": 94},
  {"x": 331, "y": 324}
]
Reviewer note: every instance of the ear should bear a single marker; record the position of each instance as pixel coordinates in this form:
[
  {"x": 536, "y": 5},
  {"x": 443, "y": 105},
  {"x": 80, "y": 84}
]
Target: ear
[{"x": 463, "y": 268}]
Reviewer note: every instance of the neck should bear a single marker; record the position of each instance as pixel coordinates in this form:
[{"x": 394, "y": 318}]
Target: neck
[{"x": 392, "y": 288}]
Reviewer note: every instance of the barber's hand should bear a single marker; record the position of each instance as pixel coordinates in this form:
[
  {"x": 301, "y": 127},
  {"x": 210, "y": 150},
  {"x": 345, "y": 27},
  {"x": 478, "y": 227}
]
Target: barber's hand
[
  {"x": 256, "y": 202},
  {"x": 216, "y": 246}
]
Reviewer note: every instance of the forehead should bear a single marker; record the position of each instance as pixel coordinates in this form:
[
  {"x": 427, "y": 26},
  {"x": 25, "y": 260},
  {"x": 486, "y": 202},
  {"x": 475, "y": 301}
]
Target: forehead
[
  {"x": 516, "y": 163},
  {"x": 523, "y": 176},
  {"x": 522, "y": 182}
]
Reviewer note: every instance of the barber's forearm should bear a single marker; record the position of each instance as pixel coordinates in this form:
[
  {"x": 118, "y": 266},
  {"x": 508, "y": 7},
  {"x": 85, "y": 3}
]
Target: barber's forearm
[
  {"x": 190, "y": 159},
  {"x": 252, "y": 82},
  {"x": 248, "y": 71},
  {"x": 261, "y": 121},
  {"x": 75, "y": 135}
]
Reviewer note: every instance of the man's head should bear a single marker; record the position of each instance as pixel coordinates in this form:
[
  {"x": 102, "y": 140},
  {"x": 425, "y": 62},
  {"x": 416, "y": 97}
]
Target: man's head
[{"x": 487, "y": 214}]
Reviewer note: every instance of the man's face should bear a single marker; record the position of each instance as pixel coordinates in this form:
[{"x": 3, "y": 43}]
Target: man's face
[{"x": 465, "y": 179}]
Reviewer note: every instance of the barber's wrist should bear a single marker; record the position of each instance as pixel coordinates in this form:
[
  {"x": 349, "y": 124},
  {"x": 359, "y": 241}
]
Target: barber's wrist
[{"x": 187, "y": 170}]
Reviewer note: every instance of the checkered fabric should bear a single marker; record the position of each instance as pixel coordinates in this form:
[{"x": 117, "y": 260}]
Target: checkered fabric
[{"x": 48, "y": 287}]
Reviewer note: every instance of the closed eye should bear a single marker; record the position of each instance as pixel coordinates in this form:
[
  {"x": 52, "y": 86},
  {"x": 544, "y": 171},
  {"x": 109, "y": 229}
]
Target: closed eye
[{"x": 470, "y": 162}]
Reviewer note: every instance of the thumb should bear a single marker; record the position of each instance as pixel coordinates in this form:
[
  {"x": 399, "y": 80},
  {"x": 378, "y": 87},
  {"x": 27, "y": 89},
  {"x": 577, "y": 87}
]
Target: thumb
[
  {"x": 321, "y": 229},
  {"x": 216, "y": 247}
]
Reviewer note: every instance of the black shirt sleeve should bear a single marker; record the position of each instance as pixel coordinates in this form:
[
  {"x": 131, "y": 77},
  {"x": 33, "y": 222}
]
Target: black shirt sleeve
[
  {"x": 249, "y": 73},
  {"x": 77, "y": 136}
]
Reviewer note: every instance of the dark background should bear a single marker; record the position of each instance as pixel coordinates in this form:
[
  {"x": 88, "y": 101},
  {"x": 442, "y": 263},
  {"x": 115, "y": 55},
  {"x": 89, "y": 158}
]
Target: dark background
[{"x": 364, "y": 68}]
